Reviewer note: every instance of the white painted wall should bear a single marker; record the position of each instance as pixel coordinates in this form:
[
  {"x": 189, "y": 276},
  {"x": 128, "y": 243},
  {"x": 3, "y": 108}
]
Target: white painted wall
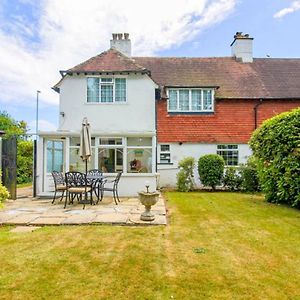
[
  {"x": 178, "y": 152},
  {"x": 136, "y": 115}
]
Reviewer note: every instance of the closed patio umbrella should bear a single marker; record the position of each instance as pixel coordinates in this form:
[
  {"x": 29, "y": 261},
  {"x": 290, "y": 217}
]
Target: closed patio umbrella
[{"x": 85, "y": 150}]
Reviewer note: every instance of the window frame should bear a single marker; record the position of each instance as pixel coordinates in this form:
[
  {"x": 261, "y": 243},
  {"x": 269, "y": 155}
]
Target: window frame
[
  {"x": 226, "y": 149},
  {"x": 165, "y": 152},
  {"x": 190, "y": 110},
  {"x": 53, "y": 140},
  {"x": 107, "y": 83}
]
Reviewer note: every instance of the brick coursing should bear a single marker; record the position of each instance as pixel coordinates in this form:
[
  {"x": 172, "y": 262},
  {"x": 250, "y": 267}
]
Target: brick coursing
[{"x": 232, "y": 122}]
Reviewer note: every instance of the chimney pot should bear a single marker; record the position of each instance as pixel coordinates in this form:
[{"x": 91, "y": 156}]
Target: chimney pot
[
  {"x": 120, "y": 36},
  {"x": 126, "y": 36},
  {"x": 114, "y": 36}
]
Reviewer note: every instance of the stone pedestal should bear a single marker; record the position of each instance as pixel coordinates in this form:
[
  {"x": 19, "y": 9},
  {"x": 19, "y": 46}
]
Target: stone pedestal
[{"x": 148, "y": 199}]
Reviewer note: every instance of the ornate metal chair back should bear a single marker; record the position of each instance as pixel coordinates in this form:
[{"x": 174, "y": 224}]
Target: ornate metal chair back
[
  {"x": 75, "y": 179},
  {"x": 58, "y": 178}
]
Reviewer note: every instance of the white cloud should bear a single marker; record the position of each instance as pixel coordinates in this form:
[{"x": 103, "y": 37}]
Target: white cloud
[
  {"x": 71, "y": 31},
  {"x": 44, "y": 125},
  {"x": 295, "y": 5}
]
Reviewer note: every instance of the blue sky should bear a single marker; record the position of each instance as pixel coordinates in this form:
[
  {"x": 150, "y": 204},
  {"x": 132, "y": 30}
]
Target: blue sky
[{"x": 39, "y": 38}]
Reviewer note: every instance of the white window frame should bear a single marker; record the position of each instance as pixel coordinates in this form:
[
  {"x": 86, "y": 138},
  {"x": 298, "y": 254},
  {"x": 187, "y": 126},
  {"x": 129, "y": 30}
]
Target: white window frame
[
  {"x": 190, "y": 100},
  {"x": 114, "y": 89},
  {"x": 54, "y": 139},
  {"x": 229, "y": 150},
  {"x": 165, "y": 152},
  {"x": 98, "y": 147}
]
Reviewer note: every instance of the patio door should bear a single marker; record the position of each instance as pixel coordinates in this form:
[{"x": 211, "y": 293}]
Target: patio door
[{"x": 54, "y": 160}]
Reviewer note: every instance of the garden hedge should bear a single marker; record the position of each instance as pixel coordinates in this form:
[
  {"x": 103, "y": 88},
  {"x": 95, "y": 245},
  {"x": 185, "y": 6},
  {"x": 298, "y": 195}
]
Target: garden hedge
[{"x": 276, "y": 145}]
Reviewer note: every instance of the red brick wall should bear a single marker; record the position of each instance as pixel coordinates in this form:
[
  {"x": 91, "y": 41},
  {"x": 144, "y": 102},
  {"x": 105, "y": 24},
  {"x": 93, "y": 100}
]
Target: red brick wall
[{"x": 232, "y": 122}]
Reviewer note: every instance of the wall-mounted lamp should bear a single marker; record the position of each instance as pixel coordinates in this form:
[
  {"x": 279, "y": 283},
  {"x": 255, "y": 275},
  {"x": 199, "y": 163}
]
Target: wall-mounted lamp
[
  {"x": 62, "y": 113},
  {"x": 180, "y": 143}
]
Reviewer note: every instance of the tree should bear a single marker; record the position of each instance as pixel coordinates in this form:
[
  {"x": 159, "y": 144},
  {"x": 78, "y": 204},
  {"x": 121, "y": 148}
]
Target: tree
[
  {"x": 24, "y": 147},
  {"x": 11, "y": 126}
]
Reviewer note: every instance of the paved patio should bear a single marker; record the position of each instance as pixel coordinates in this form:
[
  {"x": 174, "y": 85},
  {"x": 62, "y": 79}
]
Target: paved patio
[{"x": 39, "y": 212}]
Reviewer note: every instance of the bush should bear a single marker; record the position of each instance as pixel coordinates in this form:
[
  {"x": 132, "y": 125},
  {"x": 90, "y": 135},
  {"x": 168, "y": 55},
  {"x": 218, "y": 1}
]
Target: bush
[
  {"x": 185, "y": 176},
  {"x": 249, "y": 176},
  {"x": 211, "y": 170},
  {"x": 24, "y": 161},
  {"x": 232, "y": 179},
  {"x": 276, "y": 145},
  {"x": 4, "y": 194}
]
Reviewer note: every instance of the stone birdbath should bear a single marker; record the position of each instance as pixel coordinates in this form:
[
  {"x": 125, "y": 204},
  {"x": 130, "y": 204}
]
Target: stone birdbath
[{"x": 148, "y": 199}]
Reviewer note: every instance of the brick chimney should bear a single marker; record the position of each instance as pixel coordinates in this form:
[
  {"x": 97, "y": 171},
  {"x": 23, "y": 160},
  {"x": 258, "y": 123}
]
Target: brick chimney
[
  {"x": 121, "y": 42},
  {"x": 242, "y": 48}
]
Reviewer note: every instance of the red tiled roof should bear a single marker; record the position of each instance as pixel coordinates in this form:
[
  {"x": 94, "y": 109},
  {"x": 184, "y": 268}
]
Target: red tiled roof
[
  {"x": 264, "y": 78},
  {"x": 109, "y": 61}
]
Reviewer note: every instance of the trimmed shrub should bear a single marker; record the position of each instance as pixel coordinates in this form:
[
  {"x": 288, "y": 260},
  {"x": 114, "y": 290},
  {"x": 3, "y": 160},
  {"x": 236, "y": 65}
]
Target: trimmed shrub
[
  {"x": 232, "y": 179},
  {"x": 185, "y": 176},
  {"x": 249, "y": 176},
  {"x": 276, "y": 145},
  {"x": 211, "y": 170}
]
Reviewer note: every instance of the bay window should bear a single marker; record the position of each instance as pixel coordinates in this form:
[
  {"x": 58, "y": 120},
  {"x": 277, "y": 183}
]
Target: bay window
[
  {"x": 114, "y": 154},
  {"x": 106, "y": 90},
  {"x": 190, "y": 100}
]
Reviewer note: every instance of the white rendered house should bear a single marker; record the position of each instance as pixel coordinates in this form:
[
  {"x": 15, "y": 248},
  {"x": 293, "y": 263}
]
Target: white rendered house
[{"x": 147, "y": 113}]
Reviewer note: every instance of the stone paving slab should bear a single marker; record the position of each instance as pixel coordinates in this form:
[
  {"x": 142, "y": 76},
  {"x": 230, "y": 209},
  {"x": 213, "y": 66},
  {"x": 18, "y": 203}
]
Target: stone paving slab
[
  {"x": 33, "y": 212},
  {"x": 113, "y": 218},
  {"x": 80, "y": 219},
  {"x": 48, "y": 221},
  {"x": 24, "y": 218}
]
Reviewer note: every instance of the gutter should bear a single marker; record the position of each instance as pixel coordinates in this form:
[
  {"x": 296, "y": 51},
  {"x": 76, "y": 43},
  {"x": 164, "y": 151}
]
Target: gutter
[{"x": 255, "y": 109}]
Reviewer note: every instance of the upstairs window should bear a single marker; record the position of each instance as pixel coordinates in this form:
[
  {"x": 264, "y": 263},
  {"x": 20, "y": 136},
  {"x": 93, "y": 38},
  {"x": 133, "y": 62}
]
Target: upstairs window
[
  {"x": 230, "y": 153},
  {"x": 190, "y": 100},
  {"x": 106, "y": 90}
]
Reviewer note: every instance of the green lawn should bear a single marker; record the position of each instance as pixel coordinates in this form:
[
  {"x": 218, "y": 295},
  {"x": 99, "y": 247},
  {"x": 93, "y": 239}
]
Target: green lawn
[{"x": 216, "y": 246}]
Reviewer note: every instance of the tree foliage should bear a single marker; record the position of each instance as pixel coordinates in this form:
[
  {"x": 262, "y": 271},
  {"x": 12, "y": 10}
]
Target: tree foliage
[
  {"x": 276, "y": 145},
  {"x": 232, "y": 179},
  {"x": 24, "y": 161},
  {"x": 211, "y": 170},
  {"x": 11, "y": 126}
]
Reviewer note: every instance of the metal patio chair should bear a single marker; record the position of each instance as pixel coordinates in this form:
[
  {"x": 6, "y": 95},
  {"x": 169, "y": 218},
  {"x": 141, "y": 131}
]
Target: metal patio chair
[
  {"x": 94, "y": 178},
  {"x": 78, "y": 186},
  {"x": 113, "y": 187},
  {"x": 59, "y": 185}
]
